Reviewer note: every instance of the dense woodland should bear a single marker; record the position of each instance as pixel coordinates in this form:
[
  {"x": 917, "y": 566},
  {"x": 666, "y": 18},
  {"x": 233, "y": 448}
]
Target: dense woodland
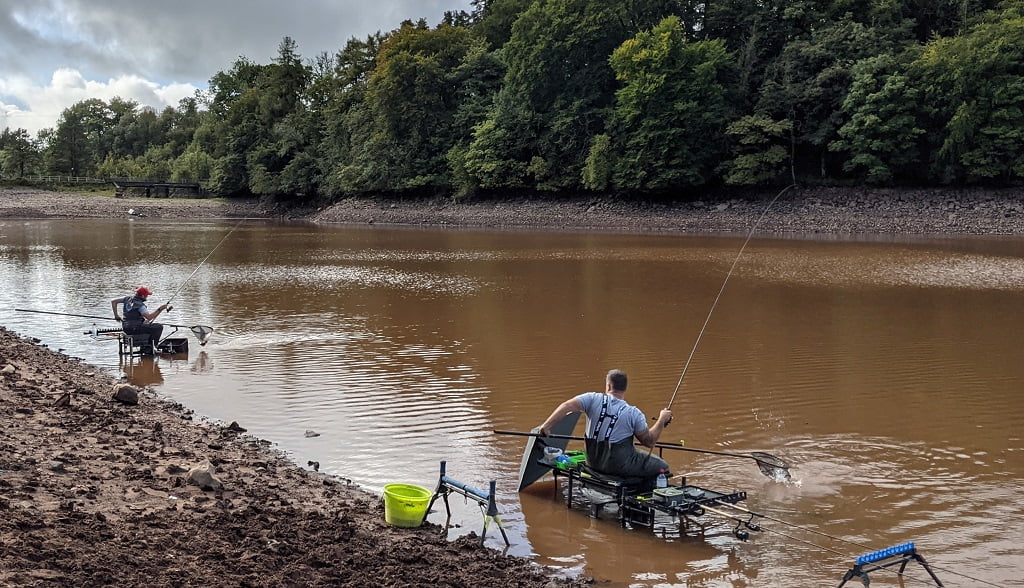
[{"x": 633, "y": 97}]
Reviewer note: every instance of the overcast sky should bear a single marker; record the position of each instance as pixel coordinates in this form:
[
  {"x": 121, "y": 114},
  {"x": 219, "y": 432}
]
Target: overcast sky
[{"x": 54, "y": 53}]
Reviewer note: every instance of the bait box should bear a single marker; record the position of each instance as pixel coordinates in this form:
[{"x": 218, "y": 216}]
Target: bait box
[{"x": 669, "y": 496}]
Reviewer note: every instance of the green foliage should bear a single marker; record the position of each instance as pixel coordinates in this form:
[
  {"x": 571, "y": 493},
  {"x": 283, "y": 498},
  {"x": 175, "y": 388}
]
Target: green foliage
[
  {"x": 19, "y": 153},
  {"x": 557, "y": 88},
  {"x": 494, "y": 19},
  {"x": 809, "y": 81},
  {"x": 193, "y": 165},
  {"x": 79, "y": 142},
  {"x": 973, "y": 87},
  {"x": 413, "y": 97},
  {"x": 597, "y": 171},
  {"x": 603, "y": 95},
  {"x": 882, "y": 133},
  {"x": 759, "y": 152},
  {"x": 670, "y": 110}
]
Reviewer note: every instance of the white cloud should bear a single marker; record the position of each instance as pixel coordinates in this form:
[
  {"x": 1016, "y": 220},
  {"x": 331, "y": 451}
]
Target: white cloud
[
  {"x": 40, "y": 106},
  {"x": 54, "y": 53}
]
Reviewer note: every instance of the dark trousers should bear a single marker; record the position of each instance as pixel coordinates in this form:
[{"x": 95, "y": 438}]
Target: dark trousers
[
  {"x": 624, "y": 459},
  {"x": 154, "y": 330}
]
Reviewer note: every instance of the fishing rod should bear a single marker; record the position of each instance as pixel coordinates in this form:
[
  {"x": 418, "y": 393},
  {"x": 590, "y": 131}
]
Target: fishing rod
[
  {"x": 714, "y": 305},
  {"x": 225, "y": 238},
  {"x": 770, "y": 465},
  {"x": 202, "y": 332}
]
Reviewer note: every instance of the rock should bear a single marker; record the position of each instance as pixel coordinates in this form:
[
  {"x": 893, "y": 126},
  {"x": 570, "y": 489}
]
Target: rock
[
  {"x": 202, "y": 476},
  {"x": 126, "y": 393},
  {"x": 234, "y": 426},
  {"x": 8, "y": 369}
]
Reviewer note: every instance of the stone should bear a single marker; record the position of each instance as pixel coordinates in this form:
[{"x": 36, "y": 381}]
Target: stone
[
  {"x": 126, "y": 393},
  {"x": 203, "y": 476}
]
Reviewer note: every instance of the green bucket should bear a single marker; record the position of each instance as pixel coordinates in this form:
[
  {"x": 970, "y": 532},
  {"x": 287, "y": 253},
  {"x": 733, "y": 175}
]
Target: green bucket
[{"x": 405, "y": 505}]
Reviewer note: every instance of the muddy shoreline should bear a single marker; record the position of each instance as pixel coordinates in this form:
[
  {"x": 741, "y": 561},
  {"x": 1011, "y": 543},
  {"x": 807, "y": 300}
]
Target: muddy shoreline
[
  {"x": 96, "y": 491},
  {"x": 796, "y": 210}
]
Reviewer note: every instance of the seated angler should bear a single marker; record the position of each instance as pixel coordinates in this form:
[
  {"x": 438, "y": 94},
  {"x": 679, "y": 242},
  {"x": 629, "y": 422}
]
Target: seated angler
[
  {"x": 611, "y": 425},
  {"x": 138, "y": 319}
]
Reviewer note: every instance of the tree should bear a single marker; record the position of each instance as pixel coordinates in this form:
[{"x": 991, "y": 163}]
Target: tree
[
  {"x": 882, "y": 133},
  {"x": 973, "y": 89},
  {"x": 557, "y": 88},
  {"x": 759, "y": 151},
  {"x": 77, "y": 145},
  {"x": 412, "y": 98},
  {"x": 19, "y": 153},
  {"x": 670, "y": 109},
  {"x": 808, "y": 83},
  {"x": 493, "y": 19}
]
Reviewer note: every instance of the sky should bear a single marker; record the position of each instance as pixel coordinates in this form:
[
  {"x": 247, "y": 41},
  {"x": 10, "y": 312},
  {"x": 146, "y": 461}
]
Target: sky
[{"x": 54, "y": 53}]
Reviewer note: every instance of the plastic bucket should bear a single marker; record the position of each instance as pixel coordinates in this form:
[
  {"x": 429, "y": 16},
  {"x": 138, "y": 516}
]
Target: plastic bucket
[{"x": 405, "y": 505}]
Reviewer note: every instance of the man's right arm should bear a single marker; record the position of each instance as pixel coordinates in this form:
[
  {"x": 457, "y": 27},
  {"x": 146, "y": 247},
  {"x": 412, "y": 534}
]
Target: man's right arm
[
  {"x": 113, "y": 306},
  {"x": 650, "y": 436}
]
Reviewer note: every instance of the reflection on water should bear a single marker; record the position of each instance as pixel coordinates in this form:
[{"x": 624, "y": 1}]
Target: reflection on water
[{"x": 886, "y": 372}]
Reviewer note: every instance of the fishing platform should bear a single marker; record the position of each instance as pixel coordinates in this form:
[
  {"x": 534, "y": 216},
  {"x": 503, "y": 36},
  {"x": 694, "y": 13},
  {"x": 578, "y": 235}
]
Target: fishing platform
[
  {"x": 137, "y": 345},
  {"x": 637, "y": 504},
  {"x": 635, "y": 500}
]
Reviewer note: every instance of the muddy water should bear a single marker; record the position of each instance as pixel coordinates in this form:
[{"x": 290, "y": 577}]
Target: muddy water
[{"x": 887, "y": 372}]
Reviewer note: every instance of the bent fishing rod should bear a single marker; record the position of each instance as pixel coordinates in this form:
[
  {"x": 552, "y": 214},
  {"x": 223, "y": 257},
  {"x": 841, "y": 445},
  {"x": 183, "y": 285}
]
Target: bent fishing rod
[
  {"x": 225, "y": 238},
  {"x": 714, "y": 305}
]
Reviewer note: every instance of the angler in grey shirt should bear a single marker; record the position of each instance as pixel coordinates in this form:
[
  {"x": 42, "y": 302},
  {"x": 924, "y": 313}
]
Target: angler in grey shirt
[{"x": 611, "y": 425}]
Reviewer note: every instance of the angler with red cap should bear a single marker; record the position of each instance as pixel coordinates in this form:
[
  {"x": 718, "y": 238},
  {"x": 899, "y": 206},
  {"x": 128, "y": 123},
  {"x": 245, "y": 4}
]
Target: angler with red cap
[{"x": 138, "y": 319}]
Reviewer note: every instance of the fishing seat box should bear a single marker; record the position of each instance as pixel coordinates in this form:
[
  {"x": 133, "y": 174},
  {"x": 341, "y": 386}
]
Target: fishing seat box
[{"x": 173, "y": 345}]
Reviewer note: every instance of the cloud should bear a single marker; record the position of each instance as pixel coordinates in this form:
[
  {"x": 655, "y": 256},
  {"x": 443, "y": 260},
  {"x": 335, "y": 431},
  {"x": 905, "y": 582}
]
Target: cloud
[
  {"x": 54, "y": 53},
  {"x": 38, "y": 107}
]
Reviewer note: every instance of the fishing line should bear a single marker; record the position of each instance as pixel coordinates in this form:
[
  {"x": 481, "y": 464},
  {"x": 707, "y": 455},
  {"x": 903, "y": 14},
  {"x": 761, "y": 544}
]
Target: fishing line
[
  {"x": 750, "y": 234},
  {"x": 203, "y": 261}
]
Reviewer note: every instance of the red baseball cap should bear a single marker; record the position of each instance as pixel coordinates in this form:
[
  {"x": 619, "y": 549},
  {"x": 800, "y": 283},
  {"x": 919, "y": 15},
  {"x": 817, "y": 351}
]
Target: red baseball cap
[{"x": 143, "y": 291}]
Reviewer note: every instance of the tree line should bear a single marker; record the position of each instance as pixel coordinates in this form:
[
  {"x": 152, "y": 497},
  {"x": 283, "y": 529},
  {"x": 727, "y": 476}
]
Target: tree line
[{"x": 632, "y": 97}]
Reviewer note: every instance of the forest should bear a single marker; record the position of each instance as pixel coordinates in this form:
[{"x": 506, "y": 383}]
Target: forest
[{"x": 634, "y": 98}]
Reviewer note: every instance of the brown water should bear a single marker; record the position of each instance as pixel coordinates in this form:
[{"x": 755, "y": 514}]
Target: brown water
[{"x": 887, "y": 372}]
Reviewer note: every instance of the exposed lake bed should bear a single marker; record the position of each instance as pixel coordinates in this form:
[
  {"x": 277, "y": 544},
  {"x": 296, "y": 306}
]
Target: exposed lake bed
[{"x": 798, "y": 210}]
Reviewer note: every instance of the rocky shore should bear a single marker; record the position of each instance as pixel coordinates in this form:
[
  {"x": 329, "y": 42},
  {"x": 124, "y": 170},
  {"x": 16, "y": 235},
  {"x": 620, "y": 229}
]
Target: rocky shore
[
  {"x": 96, "y": 490},
  {"x": 796, "y": 210}
]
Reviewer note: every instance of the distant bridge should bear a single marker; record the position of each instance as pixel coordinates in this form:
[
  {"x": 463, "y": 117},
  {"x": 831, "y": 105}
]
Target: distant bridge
[
  {"x": 149, "y": 187},
  {"x": 156, "y": 188}
]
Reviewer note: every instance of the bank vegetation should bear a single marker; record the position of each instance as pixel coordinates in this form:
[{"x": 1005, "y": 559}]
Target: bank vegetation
[{"x": 640, "y": 99}]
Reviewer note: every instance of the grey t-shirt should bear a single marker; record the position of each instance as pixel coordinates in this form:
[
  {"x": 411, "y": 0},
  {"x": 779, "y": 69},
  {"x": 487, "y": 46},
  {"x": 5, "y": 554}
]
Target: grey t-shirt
[{"x": 631, "y": 419}]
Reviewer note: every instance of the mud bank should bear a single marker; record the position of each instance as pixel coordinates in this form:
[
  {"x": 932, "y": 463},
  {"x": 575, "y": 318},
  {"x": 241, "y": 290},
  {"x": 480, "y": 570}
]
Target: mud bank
[
  {"x": 797, "y": 210},
  {"x": 97, "y": 492}
]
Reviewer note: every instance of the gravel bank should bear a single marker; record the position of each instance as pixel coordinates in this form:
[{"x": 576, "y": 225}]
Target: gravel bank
[{"x": 798, "y": 210}]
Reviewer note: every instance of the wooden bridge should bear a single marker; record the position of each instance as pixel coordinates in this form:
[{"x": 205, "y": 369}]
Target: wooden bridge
[
  {"x": 156, "y": 188},
  {"x": 148, "y": 187}
]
